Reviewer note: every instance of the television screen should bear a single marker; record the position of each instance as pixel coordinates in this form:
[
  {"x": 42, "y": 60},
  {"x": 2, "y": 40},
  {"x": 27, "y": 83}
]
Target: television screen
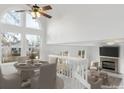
[{"x": 109, "y": 51}]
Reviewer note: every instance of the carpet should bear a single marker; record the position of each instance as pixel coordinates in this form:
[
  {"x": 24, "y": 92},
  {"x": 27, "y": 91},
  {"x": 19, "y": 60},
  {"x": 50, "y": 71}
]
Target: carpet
[
  {"x": 103, "y": 80},
  {"x": 112, "y": 83}
]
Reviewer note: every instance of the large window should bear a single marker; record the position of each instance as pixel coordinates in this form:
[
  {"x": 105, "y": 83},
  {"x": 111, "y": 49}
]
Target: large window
[
  {"x": 12, "y": 44},
  {"x": 33, "y": 44},
  {"x": 16, "y": 18},
  {"x": 11, "y": 49},
  {"x": 13, "y": 18}
]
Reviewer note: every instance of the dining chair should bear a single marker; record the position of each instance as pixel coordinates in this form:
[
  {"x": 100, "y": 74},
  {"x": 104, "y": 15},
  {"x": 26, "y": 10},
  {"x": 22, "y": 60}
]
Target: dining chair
[
  {"x": 22, "y": 59},
  {"x": 47, "y": 78},
  {"x": 53, "y": 60}
]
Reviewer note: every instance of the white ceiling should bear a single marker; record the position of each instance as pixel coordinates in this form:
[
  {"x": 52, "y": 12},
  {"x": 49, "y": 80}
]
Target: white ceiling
[
  {"x": 91, "y": 15},
  {"x": 85, "y": 10},
  {"x": 90, "y": 10},
  {"x": 86, "y": 22}
]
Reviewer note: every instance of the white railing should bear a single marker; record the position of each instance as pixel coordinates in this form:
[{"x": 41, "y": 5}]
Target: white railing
[{"x": 73, "y": 70}]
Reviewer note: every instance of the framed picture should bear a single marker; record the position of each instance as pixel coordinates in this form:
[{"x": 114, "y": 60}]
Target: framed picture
[{"x": 81, "y": 53}]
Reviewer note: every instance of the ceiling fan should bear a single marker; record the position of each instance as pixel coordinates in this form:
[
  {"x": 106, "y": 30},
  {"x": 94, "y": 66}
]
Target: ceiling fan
[{"x": 37, "y": 11}]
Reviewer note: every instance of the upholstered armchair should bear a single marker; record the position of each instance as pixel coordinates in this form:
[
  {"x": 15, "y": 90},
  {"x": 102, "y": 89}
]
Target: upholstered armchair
[
  {"x": 94, "y": 65},
  {"x": 11, "y": 81},
  {"x": 95, "y": 80},
  {"x": 47, "y": 78}
]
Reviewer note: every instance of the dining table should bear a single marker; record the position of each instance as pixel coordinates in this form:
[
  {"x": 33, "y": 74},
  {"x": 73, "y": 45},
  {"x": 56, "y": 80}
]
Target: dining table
[{"x": 27, "y": 71}]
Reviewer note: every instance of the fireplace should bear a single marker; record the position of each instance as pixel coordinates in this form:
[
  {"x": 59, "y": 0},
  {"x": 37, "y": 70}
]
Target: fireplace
[{"x": 109, "y": 64}]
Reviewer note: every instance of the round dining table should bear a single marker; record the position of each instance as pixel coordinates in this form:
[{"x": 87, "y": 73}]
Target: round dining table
[{"x": 27, "y": 71}]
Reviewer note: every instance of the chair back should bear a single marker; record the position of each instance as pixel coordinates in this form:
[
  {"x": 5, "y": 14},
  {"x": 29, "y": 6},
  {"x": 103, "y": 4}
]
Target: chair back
[
  {"x": 47, "y": 79},
  {"x": 53, "y": 60},
  {"x": 0, "y": 77},
  {"x": 22, "y": 59}
]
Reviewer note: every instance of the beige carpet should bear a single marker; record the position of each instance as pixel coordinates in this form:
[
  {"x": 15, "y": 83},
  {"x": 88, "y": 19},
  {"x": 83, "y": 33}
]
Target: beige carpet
[
  {"x": 113, "y": 83},
  {"x": 109, "y": 82}
]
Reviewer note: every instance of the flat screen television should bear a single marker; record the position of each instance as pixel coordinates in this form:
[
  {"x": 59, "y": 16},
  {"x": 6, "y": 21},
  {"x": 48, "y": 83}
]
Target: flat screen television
[{"x": 109, "y": 51}]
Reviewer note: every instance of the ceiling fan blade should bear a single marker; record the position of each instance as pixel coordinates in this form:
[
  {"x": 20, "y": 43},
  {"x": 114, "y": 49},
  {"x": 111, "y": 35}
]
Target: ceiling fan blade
[
  {"x": 46, "y": 15},
  {"x": 20, "y": 11},
  {"x": 48, "y": 7},
  {"x": 23, "y": 10}
]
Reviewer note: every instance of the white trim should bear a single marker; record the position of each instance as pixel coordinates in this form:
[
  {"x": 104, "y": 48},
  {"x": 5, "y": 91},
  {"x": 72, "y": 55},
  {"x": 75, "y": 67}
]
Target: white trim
[
  {"x": 68, "y": 57},
  {"x": 110, "y": 57},
  {"x": 16, "y": 29},
  {"x": 23, "y": 45}
]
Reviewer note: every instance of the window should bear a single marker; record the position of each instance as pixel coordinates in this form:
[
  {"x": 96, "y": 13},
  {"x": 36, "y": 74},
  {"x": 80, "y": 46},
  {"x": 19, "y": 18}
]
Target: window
[
  {"x": 12, "y": 18},
  {"x": 31, "y": 23},
  {"x": 33, "y": 45},
  {"x": 11, "y": 38},
  {"x": 16, "y": 18},
  {"x": 11, "y": 49}
]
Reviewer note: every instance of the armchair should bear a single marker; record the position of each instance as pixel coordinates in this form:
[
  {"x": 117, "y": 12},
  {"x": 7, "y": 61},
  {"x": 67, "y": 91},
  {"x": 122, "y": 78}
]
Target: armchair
[
  {"x": 94, "y": 65},
  {"x": 47, "y": 78},
  {"x": 11, "y": 81}
]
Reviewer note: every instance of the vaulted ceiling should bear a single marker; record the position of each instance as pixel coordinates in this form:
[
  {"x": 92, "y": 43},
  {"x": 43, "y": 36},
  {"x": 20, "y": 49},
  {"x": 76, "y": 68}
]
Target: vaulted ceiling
[{"x": 79, "y": 22}]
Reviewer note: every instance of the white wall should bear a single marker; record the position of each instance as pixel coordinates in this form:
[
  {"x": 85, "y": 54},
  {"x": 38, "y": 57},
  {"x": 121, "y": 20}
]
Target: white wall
[
  {"x": 121, "y": 65},
  {"x": 43, "y": 40},
  {"x": 95, "y": 53},
  {"x": 74, "y": 23}
]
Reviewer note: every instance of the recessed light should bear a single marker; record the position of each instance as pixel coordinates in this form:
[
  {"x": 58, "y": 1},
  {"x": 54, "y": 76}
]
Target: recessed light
[{"x": 110, "y": 43}]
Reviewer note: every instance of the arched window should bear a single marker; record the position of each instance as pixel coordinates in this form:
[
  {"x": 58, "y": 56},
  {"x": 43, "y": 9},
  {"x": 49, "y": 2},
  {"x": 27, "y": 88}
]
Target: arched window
[
  {"x": 12, "y": 43},
  {"x": 13, "y": 18},
  {"x": 16, "y": 18}
]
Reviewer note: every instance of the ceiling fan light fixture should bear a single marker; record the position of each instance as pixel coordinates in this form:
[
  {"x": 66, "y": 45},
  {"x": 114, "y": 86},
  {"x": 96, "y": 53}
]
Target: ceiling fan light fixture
[
  {"x": 37, "y": 11},
  {"x": 38, "y": 14},
  {"x": 35, "y": 14}
]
